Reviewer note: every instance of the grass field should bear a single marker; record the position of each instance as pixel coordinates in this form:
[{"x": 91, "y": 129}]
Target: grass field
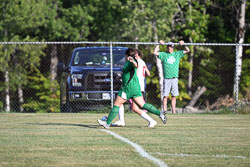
[{"x": 76, "y": 140}]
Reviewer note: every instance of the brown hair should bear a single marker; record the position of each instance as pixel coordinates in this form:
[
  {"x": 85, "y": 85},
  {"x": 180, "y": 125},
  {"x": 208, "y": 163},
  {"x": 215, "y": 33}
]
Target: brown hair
[
  {"x": 139, "y": 53},
  {"x": 131, "y": 52}
]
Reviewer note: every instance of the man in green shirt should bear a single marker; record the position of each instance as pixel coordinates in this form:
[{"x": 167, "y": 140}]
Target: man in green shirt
[{"x": 170, "y": 62}]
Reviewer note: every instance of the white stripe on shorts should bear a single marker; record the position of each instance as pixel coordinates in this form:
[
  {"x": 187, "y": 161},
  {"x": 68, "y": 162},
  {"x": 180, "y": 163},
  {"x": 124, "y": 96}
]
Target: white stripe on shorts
[{"x": 124, "y": 95}]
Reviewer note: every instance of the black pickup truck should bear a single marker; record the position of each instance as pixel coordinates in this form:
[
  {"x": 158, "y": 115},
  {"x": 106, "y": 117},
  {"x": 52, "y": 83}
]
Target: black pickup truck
[{"x": 85, "y": 81}]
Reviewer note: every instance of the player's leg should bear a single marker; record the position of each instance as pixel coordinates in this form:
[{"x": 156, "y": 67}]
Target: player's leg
[
  {"x": 174, "y": 92},
  {"x": 144, "y": 98},
  {"x": 121, "y": 113},
  {"x": 144, "y": 115},
  {"x": 140, "y": 102},
  {"x": 130, "y": 101},
  {"x": 165, "y": 102},
  {"x": 166, "y": 91},
  {"x": 173, "y": 104},
  {"x": 121, "y": 121},
  {"x": 118, "y": 102}
]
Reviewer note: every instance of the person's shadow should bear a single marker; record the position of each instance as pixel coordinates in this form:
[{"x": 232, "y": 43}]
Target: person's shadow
[
  {"x": 83, "y": 125},
  {"x": 64, "y": 124}
]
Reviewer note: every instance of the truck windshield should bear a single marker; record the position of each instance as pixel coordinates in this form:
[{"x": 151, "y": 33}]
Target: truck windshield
[{"x": 95, "y": 57}]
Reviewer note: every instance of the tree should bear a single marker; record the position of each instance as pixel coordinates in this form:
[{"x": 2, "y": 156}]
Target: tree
[
  {"x": 18, "y": 18},
  {"x": 44, "y": 99},
  {"x": 105, "y": 19},
  {"x": 224, "y": 26},
  {"x": 239, "y": 38},
  {"x": 63, "y": 24},
  {"x": 147, "y": 21}
]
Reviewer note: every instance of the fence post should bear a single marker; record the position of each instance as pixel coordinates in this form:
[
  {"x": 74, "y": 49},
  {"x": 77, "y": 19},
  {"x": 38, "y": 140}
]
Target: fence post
[{"x": 111, "y": 75}]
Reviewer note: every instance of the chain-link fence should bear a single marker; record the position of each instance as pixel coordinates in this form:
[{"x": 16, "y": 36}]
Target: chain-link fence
[{"x": 86, "y": 76}]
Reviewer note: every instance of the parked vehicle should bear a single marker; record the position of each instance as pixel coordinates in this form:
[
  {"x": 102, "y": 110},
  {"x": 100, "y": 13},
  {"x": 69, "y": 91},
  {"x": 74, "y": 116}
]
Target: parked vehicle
[{"x": 85, "y": 81}]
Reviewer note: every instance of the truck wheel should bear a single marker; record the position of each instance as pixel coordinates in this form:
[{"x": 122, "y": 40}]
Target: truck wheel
[
  {"x": 63, "y": 108},
  {"x": 67, "y": 108}
]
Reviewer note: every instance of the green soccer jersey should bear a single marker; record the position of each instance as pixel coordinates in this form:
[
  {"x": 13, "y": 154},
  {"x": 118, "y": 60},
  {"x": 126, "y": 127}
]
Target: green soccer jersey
[
  {"x": 128, "y": 72},
  {"x": 130, "y": 82},
  {"x": 170, "y": 62}
]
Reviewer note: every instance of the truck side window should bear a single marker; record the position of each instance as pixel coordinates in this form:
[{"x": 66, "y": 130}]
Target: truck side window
[{"x": 76, "y": 60}]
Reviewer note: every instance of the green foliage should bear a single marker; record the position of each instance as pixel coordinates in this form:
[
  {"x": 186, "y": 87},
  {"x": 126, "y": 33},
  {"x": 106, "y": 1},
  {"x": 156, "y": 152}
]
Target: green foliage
[
  {"x": 195, "y": 21},
  {"x": 1, "y": 106},
  {"x": 107, "y": 15},
  {"x": 223, "y": 23},
  {"x": 221, "y": 111},
  {"x": 5, "y": 52},
  {"x": 45, "y": 99},
  {"x": 243, "y": 109},
  {"x": 18, "y": 60},
  {"x": 76, "y": 22},
  {"x": 240, "y": 109},
  {"x": 69, "y": 23},
  {"x": 21, "y": 18},
  {"x": 245, "y": 79},
  {"x": 140, "y": 17}
]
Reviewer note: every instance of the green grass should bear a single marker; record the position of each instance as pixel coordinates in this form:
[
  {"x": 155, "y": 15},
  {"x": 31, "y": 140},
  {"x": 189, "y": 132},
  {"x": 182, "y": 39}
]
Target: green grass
[{"x": 76, "y": 140}]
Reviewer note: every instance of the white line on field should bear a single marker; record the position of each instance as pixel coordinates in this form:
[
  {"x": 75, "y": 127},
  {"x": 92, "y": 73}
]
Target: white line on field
[
  {"x": 198, "y": 155},
  {"x": 138, "y": 148}
]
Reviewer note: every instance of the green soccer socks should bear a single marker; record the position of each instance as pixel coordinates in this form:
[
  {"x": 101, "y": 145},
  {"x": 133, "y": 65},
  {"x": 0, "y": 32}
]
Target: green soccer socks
[
  {"x": 112, "y": 114},
  {"x": 151, "y": 109}
]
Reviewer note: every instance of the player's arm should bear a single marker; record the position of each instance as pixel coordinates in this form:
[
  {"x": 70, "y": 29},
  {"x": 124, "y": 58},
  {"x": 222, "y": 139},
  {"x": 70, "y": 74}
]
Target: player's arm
[
  {"x": 186, "y": 49},
  {"x": 131, "y": 59},
  {"x": 147, "y": 71},
  {"x": 157, "y": 48}
]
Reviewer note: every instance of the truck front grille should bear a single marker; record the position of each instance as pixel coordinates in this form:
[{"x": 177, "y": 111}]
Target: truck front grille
[{"x": 101, "y": 81}]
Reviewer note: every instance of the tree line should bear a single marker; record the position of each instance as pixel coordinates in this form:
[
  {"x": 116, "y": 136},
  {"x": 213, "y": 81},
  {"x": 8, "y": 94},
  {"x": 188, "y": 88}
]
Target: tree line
[{"x": 203, "y": 21}]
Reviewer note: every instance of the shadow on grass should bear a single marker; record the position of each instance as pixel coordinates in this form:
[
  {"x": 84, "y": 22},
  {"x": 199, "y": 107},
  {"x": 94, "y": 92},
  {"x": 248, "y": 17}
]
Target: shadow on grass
[
  {"x": 85, "y": 126},
  {"x": 64, "y": 124}
]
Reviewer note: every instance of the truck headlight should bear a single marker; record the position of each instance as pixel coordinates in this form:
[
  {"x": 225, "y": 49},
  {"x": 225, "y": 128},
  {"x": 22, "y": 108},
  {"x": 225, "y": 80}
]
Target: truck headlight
[{"x": 75, "y": 79}]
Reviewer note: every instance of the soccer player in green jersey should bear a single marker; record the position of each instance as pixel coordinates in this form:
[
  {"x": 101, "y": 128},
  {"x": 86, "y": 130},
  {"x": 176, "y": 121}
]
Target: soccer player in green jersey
[
  {"x": 130, "y": 90},
  {"x": 170, "y": 62},
  {"x": 141, "y": 72}
]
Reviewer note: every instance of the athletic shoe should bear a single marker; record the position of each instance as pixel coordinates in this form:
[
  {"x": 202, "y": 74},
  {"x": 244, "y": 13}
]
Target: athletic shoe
[
  {"x": 103, "y": 123},
  {"x": 163, "y": 117},
  {"x": 152, "y": 124},
  {"x": 118, "y": 123}
]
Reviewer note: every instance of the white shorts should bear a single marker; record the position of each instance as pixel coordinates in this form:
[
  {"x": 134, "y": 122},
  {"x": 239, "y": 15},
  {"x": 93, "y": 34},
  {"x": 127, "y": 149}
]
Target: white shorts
[{"x": 170, "y": 84}]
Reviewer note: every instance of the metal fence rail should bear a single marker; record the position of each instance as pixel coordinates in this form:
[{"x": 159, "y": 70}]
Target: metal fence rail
[
  {"x": 120, "y": 43},
  {"x": 30, "y": 81}
]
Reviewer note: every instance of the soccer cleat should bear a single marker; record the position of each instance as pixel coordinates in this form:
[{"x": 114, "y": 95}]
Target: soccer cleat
[
  {"x": 152, "y": 124},
  {"x": 163, "y": 117},
  {"x": 118, "y": 123},
  {"x": 103, "y": 123}
]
